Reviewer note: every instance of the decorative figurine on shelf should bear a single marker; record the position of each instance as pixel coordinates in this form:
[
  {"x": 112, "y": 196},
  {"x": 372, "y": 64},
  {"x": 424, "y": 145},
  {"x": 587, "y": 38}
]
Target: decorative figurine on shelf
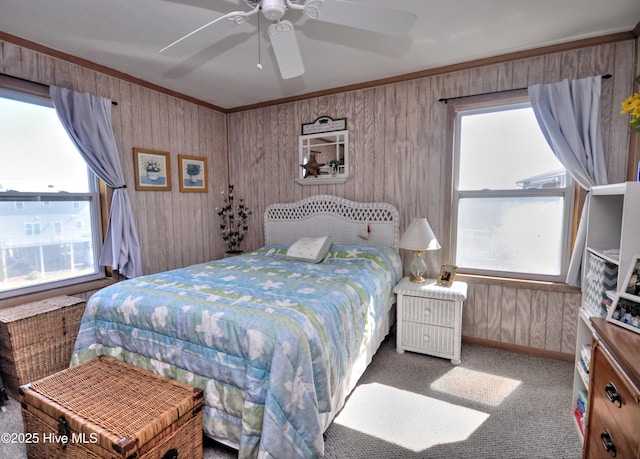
[
  {"x": 335, "y": 165},
  {"x": 234, "y": 225},
  {"x": 312, "y": 167}
]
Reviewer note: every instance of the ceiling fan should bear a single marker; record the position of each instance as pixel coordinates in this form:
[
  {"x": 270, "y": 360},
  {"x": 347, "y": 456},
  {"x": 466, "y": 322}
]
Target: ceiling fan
[{"x": 282, "y": 34}]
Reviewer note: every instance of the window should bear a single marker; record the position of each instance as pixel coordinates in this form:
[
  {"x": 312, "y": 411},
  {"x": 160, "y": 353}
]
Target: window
[
  {"x": 49, "y": 206},
  {"x": 32, "y": 229},
  {"x": 512, "y": 198}
]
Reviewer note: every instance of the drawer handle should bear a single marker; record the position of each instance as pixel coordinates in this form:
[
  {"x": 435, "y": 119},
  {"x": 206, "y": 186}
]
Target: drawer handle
[
  {"x": 612, "y": 394},
  {"x": 607, "y": 442},
  {"x": 171, "y": 454}
]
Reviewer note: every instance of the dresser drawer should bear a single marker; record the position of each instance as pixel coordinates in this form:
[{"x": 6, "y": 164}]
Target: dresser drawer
[
  {"x": 429, "y": 311},
  {"x": 431, "y": 338},
  {"x": 615, "y": 397},
  {"x": 604, "y": 430}
]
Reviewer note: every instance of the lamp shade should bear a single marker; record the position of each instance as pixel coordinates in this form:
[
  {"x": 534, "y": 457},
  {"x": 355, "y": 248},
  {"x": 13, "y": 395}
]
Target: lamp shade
[{"x": 419, "y": 236}]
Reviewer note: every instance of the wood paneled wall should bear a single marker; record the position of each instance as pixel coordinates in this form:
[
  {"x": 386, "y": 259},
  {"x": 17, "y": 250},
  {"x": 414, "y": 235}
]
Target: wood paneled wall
[
  {"x": 400, "y": 153},
  {"x": 175, "y": 229}
]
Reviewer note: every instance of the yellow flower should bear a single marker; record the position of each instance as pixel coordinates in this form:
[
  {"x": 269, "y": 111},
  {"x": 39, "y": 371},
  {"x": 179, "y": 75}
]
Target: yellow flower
[{"x": 631, "y": 105}]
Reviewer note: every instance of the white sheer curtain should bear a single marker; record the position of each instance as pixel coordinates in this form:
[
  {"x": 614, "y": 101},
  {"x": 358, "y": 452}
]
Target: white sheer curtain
[
  {"x": 569, "y": 115},
  {"x": 87, "y": 119}
]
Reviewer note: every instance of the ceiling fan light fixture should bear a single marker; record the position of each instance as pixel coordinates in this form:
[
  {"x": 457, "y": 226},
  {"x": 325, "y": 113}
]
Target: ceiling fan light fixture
[{"x": 273, "y": 9}]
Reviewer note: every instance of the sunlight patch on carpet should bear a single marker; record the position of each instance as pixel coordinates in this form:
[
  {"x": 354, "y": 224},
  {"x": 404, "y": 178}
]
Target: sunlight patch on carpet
[
  {"x": 409, "y": 420},
  {"x": 476, "y": 386}
]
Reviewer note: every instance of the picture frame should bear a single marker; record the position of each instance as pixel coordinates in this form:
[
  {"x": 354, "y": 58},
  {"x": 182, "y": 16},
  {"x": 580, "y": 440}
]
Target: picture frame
[
  {"x": 193, "y": 174},
  {"x": 625, "y": 312},
  {"x": 324, "y": 124},
  {"x": 152, "y": 169},
  {"x": 632, "y": 279},
  {"x": 447, "y": 275}
]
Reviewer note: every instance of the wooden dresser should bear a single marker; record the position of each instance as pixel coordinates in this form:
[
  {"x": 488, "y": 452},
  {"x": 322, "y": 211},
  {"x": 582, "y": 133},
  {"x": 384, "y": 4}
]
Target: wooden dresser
[{"x": 613, "y": 407}]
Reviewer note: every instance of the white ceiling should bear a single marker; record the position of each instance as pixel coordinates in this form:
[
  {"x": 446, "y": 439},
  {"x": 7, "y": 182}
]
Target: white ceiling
[{"x": 219, "y": 64}]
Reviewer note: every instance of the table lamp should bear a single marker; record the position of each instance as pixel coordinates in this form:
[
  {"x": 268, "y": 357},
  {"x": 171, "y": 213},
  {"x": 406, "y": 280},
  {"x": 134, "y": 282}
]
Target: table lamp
[{"x": 419, "y": 237}]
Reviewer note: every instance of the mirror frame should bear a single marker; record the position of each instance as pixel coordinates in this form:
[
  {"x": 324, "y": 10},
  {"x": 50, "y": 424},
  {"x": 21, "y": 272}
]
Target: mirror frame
[{"x": 326, "y": 174}]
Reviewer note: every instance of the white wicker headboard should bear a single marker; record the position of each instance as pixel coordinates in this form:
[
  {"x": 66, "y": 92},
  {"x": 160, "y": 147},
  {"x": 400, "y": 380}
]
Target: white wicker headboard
[{"x": 324, "y": 215}]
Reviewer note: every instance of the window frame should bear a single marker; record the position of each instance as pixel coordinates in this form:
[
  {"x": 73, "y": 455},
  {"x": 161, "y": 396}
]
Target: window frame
[
  {"x": 35, "y": 94},
  {"x": 491, "y": 103}
]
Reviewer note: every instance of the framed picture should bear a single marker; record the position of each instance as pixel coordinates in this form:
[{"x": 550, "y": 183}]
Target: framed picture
[
  {"x": 625, "y": 311},
  {"x": 447, "y": 275},
  {"x": 632, "y": 281},
  {"x": 153, "y": 169},
  {"x": 193, "y": 174}
]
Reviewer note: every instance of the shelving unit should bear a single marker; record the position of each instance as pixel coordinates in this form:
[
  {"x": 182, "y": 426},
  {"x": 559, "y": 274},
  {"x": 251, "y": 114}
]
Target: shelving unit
[
  {"x": 613, "y": 226},
  {"x": 584, "y": 333}
]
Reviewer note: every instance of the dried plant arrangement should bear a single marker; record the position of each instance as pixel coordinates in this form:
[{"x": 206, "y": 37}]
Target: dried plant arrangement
[{"x": 233, "y": 225}]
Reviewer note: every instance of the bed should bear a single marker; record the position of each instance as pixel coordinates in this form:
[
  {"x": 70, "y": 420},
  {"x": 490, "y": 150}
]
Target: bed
[{"x": 275, "y": 342}]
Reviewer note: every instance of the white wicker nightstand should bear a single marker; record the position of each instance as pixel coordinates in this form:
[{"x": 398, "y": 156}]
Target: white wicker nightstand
[{"x": 430, "y": 318}]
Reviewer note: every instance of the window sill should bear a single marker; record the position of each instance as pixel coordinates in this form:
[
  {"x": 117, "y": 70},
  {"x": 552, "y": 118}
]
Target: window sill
[
  {"x": 67, "y": 290},
  {"x": 518, "y": 283}
]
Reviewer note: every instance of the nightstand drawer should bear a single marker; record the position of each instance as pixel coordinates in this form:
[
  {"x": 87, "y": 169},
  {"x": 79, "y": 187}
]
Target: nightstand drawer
[
  {"x": 429, "y": 311},
  {"x": 429, "y": 318},
  {"x": 430, "y": 338}
]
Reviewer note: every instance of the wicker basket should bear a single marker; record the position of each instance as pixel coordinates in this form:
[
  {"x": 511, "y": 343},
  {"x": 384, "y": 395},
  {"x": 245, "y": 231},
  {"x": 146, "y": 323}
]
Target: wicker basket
[
  {"x": 106, "y": 408},
  {"x": 37, "y": 339}
]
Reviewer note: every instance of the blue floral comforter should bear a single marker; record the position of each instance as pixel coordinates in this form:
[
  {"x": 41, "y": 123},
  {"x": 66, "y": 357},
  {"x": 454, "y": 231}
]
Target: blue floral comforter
[{"x": 268, "y": 340}]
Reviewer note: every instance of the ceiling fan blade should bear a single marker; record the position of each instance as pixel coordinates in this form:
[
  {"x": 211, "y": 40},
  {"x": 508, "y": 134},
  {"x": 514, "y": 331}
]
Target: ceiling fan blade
[
  {"x": 374, "y": 18},
  {"x": 236, "y": 16},
  {"x": 285, "y": 47}
]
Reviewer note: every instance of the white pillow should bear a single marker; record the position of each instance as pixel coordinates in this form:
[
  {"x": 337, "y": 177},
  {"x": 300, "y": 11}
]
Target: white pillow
[{"x": 309, "y": 249}]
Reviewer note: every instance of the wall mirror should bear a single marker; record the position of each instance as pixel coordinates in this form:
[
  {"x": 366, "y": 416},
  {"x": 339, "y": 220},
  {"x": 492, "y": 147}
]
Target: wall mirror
[{"x": 323, "y": 156}]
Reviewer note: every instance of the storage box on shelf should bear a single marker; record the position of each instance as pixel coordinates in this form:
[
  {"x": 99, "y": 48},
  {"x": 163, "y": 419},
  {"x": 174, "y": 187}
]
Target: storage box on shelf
[
  {"x": 613, "y": 225},
  {"x": 37, "y": 339},
  {"x": 601, "y": 277}
]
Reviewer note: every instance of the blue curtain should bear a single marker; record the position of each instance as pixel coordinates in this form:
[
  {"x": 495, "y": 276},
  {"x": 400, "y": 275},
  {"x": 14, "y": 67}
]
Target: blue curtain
[
  {"x": 568, "y": 113},
  {"x": 87, "y": 120}
]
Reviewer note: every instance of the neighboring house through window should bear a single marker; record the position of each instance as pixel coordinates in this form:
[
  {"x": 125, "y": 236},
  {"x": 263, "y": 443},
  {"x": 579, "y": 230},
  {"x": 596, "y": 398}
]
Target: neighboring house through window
[
  {"x": 32, "y": 229},
  {"x": 512, "y": 199},
  {"x": 50, "y": 231}
]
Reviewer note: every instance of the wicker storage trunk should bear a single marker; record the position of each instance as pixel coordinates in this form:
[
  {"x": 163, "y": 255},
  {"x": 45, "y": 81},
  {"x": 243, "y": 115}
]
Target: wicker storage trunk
[
  {"x": 106, "y": 408},
  {"x": 37, "y": 339}
]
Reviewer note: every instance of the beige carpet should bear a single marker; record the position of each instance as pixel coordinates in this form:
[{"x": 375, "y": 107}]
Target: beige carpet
[{"x": 496, "y": 404}]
